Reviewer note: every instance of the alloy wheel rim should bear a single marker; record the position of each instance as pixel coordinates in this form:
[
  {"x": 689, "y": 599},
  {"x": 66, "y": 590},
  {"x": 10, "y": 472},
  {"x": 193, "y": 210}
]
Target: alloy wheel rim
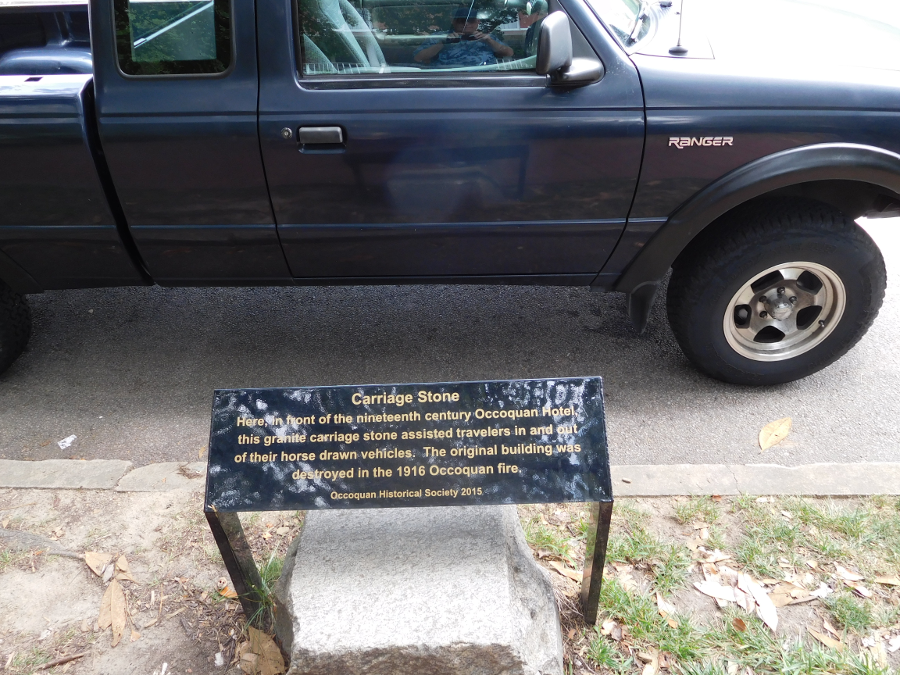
[{"x": 784, "y": 311}]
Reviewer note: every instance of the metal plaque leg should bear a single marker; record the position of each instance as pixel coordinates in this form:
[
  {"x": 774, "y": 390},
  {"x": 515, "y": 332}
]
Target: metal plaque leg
[
  {"x": 595, "y": 560},
  {"x": 238, "y": 559}
]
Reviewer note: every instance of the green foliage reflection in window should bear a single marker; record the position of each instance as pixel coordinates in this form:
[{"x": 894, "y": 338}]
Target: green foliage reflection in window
[{"x": 173, "y": 37}]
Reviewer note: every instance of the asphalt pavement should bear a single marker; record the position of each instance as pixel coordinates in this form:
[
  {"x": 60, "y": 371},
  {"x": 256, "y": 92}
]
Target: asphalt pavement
[{"x": 130, "y": 372}]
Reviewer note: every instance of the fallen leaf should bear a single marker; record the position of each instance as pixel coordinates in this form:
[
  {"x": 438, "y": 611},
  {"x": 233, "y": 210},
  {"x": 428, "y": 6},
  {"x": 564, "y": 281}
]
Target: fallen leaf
[
  {"x": 665, "y": 607},
  {"x": 117, "y": 611},
  {"x": 861, "y": 590},
  {"x": 744, "y": 600},
  {"x": 774, "y": 432},
  {"x": 566, "y": 571},
  {"x": 651, "y": 661},
  {"x": 716, "y": 557},
  {"x": 105, "y": 619},
  {"x": 739, "y": 624},
  {"x": 764, "y": 607},
  {"x": 281, "y": 531},
  {"x": 888, "y": 581},
  {"x": 847, "y": 575},
  {"x": 270, "y": 661},
  {"x": 672, "y": 622},
  {"x": 571, "y": 633},
  {"x": 812, "y": 563},
  {"x": 135, "y": 636},
  {"x": 825, "y": 640},
  {"x": 97, "y": 561},
  {"x": 249, "y": 663},
  {"x": 714, "y": 590},
  {"x": 831, "y": 629},
  {"x": 123, "y": 573},
  {"x": 822, "y": 591}
]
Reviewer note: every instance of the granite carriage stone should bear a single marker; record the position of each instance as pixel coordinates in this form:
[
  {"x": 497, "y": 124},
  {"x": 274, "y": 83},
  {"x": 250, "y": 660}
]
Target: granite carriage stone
[{"x": 418, "y": 591}]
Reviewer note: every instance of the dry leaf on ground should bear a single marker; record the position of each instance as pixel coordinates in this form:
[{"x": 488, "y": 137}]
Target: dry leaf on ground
[
  {"x": 105, "y": 618},
  {"x": 716, "y": 556},
  {"x": 860, "y": 590},
  {"x": 665, "y": 607},
  {"x": 846, "y": 574},
  {"x": 117, "y": 611},
  {"x": 739, "y": 624},
  {"x": 566, "y": 571},
  {"x": 715, "y": 590},
  {"x": 888, "y": 581},
  {"x": 831, "y": 629},
  {"x": 774, "y": 432},
  {"x": 822, "y": 591},
  {"x": 764, "y": 607},
  {"x": 651, "y": 659},
  {"x": 268, "y": 659},
  {"x": 123, "y": 573},
  {"x": 825, "y": 640},
  {"x": 97, "y": 561}
]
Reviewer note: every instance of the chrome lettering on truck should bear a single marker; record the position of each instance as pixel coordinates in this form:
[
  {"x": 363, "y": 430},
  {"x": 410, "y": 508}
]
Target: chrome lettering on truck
[{"x": 681, "y": 142}]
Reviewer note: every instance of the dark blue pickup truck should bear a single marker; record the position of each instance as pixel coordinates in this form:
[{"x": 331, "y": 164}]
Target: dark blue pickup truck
[{"x": 573, "y": 142}]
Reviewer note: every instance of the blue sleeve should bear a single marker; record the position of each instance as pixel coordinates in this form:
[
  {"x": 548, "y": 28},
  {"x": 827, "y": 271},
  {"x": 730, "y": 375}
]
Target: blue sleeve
[{"x": 430, "y": 42}]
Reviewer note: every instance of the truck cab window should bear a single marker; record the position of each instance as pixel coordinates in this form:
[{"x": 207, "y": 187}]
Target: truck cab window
[
  {"x": 347, "y": 37},
  {"x": 173, "y": 37}
]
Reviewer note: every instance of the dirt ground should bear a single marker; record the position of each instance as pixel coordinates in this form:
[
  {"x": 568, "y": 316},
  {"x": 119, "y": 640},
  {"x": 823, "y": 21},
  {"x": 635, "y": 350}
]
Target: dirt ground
[
  {"x": 49, "y": 604},
  {"x": 177, "y": 623}
]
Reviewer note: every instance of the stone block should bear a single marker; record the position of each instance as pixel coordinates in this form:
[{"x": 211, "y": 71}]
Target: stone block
[{"x": 417, "y": 591}]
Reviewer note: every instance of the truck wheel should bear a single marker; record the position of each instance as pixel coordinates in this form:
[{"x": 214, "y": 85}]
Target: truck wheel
[
  {"x": 775, "y": 292},
  {"x": 15, "y": 325}
]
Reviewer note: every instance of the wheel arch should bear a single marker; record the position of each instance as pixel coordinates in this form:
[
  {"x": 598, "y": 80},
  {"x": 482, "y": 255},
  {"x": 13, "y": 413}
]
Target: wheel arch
[{"x": 857, "y": 179}]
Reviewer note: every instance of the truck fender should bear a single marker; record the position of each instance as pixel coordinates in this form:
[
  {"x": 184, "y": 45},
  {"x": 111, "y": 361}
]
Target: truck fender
[{"x": 825, "y": 161}]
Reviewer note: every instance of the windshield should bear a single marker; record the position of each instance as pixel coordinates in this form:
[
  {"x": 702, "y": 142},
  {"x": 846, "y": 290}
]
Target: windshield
[{"x": 624, "y": 18}]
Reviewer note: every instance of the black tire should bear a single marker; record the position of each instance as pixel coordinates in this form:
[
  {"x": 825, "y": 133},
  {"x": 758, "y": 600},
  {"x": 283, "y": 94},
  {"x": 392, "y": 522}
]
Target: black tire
[
  {"x": 720, "y": 319},
  {"x": 15, "y": 325}
]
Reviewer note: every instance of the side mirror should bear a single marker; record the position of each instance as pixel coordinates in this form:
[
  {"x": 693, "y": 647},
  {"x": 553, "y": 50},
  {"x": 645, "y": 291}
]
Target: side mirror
[
  {"x": 554, "y": 55},
  {"x": 554, "y": 44}
]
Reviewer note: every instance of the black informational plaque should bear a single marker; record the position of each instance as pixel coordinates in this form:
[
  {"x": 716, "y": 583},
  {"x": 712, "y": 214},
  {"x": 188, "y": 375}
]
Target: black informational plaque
[
  {"x": 507, "y": 442},
  {"x": 395, "y": 445}
]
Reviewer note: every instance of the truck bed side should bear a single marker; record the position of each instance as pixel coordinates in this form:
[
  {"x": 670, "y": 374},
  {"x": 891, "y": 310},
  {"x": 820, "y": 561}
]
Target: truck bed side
[{"x": 55, "y": 220}]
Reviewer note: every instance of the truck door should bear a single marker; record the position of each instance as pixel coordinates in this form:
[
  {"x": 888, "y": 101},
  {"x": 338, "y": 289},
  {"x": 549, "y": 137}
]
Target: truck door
[
  {"x": 177, "y": 92},
  {"x": 386, "y": 160}
]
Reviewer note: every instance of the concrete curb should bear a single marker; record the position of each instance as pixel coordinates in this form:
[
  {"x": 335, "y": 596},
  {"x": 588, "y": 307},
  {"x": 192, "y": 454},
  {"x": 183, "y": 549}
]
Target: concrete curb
[
  {"x": 870, "y": 478},
  {"x": 97, "y": 474},
  {"x": 633, "y": 480}
]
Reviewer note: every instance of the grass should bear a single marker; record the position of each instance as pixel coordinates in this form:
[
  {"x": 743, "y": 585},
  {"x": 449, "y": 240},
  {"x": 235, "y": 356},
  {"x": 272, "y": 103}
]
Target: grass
[
  {"x": 702, "y": 509},
  {"x": 269, "y": 572},
  {"x": 769, "y": 538},
  {"x": 850, "y": 612},
  {"x": 10, "y": 558},
  {"x": 543, "y": 536}
]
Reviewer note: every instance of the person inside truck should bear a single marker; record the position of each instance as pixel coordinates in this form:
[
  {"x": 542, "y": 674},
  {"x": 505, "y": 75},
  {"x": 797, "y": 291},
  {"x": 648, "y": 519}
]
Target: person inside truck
[
  {"x": 463, "y": 45},
  {"x": 538, "y": 9}
]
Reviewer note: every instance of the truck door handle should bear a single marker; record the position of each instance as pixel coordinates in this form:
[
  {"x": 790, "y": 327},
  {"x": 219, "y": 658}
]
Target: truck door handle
[
  {"x": 320, "y": 135},
  {"x": 321, "y": 139}
]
